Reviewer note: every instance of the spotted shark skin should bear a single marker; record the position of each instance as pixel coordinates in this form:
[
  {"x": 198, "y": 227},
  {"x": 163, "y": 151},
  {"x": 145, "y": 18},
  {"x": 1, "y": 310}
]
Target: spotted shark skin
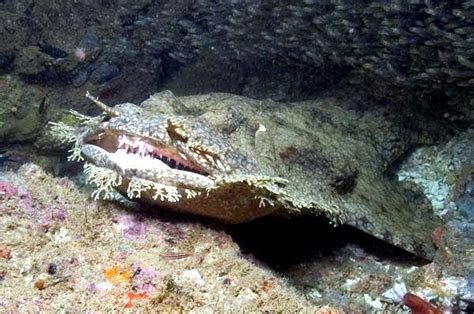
[{"x": 241, "y": 159}]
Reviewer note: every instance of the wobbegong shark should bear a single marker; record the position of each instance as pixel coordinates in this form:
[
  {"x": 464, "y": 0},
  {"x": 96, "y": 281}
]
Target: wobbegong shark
[{"x": 235, "y": 159}]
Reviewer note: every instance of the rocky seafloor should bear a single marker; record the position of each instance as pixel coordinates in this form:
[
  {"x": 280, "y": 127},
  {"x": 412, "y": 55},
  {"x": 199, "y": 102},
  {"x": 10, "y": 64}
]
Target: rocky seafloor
[{"x": 60, "y": 251}]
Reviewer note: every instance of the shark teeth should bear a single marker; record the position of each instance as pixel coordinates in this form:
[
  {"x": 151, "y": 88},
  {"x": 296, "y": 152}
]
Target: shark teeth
[
  {"x": 131, "y": 160},
  {"x": 136, "y": 146}
]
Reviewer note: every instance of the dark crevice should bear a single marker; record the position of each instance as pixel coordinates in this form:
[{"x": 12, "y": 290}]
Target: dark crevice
[{"x": 282, "y": 243}]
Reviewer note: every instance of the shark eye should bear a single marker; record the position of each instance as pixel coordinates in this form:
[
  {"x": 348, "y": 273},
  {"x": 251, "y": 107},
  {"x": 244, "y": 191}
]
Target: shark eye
[
  {"x": 106, "y": 118},
  {"x": 176, "y": 131}
]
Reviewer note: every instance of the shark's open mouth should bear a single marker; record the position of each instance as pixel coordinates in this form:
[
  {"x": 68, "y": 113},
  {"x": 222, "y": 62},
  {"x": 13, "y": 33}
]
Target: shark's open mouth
[{"x": 134, "y": 149}]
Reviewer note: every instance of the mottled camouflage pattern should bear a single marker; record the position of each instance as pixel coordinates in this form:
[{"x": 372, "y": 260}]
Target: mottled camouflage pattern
[{"x": 308, "y": 158}]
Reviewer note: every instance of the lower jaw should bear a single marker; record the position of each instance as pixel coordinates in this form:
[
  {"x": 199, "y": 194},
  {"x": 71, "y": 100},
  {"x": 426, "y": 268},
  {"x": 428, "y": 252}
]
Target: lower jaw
[{"x": 154, "y": 171}]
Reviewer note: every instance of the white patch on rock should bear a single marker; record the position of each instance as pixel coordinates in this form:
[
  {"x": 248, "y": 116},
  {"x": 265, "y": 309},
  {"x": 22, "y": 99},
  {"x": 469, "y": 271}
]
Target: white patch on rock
[
  {"x": 194, "y": 276},
  {"x": 396, "y": 293},
  {"x": 60, "y": 237},
  {"x": 376, "y": 304}
]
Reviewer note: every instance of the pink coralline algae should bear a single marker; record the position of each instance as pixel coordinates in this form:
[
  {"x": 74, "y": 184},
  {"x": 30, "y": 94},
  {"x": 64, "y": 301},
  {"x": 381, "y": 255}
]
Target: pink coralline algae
[
  {"x": 143, "y": 279},
  {"x": 132, "y": 228},
  {"x": 52, "y": 216},
  {"x": 7, "y": 189},
  {"x": 27, "y": 201},
  {"x": 58, "y": 214},
  {"x": 5, "y": 253}
]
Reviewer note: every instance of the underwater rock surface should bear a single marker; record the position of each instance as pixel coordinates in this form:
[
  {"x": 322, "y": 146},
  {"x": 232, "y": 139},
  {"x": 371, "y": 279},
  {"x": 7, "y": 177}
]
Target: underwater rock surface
[
  {"x": 22, "y": 110},
  {"x": 59, "y": 248},
  {"x": 412, "y": 43}
]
